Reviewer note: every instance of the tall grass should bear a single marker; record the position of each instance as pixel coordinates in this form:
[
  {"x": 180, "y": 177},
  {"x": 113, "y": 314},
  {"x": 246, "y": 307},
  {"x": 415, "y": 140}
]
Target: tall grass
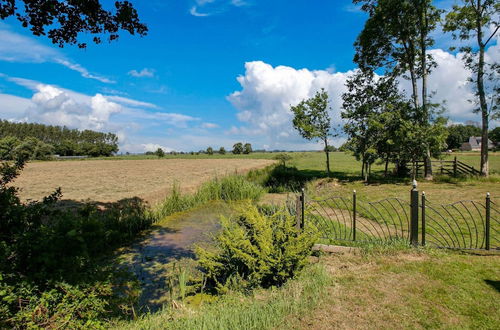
[
  {"x": 229, "y": 188},
  {"x": 265, "y": 309}
]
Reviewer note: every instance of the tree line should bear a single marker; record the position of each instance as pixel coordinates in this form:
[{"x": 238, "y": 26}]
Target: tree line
[
  {"x": 38, "y": 141},
  {"x": 381, "y": 122}
]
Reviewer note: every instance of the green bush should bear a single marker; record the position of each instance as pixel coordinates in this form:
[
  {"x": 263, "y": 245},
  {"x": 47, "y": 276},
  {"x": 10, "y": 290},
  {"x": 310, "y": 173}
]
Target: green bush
[
  {"x": 278, "y": 178},
  {"x": 50, "y": 271},
  {"x": 256, "y": 249}
]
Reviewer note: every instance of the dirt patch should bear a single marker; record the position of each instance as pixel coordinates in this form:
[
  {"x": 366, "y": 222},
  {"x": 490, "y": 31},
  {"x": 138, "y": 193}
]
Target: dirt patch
[{"x": 113, "y": 180}]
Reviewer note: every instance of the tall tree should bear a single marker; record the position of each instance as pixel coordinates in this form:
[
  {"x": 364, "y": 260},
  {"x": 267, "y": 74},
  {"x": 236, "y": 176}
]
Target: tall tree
[
  {"x": 313, "y": 121},
  {"x": 396, "y": 37},
  {"x": 64, "y": 21},
  {"x": 479, "y": 20}
]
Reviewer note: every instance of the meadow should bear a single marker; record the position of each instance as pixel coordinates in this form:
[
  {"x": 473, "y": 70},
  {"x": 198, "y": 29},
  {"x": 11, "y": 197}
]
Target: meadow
[{"x": 156, "y": 245}]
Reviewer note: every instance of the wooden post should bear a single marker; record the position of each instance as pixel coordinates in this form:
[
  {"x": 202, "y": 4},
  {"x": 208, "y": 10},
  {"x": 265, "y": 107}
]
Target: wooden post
[
  {"x": 455, "y": 166},
  {"x": 302, "y": 209},
  {"x": 298, "y": 212},
  {"x": 414, "y": 215}
]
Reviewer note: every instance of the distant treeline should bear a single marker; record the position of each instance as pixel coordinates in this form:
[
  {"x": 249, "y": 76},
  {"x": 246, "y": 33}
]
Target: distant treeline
[{"x": 38, "y": 141}]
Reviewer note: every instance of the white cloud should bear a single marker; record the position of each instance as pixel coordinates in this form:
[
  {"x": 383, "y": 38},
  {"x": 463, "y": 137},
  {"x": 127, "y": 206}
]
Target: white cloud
[
  {"x": 209, "y": 125},
  {"x": 194, "y": 11},
  {"x": 18, "y": 48},
  {"x": 59, "y": 106},
  {"x": 263, "y": 103},
  {"x": 131, "y": 102},
  {"x": 204, "y": 8},
  {"x": 149, "y": 73},
  {"x": 84, "y": 72},
  {"x": 267, "y": 93},
  {"x": 153, "y": 147}
]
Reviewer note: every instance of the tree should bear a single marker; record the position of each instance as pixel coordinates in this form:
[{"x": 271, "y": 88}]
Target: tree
[
  {"x": 458, "y": 134},
  {"x": 210, "y": 151},
  {"x": 495, "y": 135},
  {"x": 238, "y": 148},
  {"x": 283, "y": 158},
  {"x": 247, "y": 148},
  {"x": 160, "y": 153},
  {"x": 313, "y": 122},
  {"x": 64, "y": 21},
  {"x": 222, "y": 151},
  {"x": 396, "y": 37},
  {"x": 478, "y": 19}
]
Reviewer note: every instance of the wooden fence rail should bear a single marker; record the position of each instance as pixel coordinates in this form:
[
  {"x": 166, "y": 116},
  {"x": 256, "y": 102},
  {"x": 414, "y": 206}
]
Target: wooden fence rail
[{"x": 449, "y": 167}]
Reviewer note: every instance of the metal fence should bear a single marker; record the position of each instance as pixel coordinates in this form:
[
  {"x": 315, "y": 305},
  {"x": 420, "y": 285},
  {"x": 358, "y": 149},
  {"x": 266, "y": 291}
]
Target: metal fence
[{"x": 460, "y": 225}]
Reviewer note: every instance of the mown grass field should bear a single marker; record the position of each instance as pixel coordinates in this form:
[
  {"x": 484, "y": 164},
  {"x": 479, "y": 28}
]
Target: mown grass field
[{"x": 110, "y": 181}]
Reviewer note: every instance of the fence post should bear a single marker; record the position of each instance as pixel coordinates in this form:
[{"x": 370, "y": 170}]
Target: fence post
[
  {"x": 423, "y": 218},
  {"x": 302, "y": 208},
  {"x": 298, "y": 212},
  {"x": 354, "y": 215},
  {"x": 487, "y": 229},
  {"x": 455, "y": 166},
  {"x": 414, "y": 215}
]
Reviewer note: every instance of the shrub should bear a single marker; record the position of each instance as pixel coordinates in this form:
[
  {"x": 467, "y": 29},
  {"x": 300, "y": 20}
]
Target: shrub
[
  {"x": 222, "y": 151},
  {"x": 255, "y": 249},
  {"x": 49, "y": 257}
]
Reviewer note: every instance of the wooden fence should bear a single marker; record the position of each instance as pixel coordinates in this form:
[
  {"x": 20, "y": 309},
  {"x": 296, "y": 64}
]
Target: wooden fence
[{"x": 449, "y": 167}]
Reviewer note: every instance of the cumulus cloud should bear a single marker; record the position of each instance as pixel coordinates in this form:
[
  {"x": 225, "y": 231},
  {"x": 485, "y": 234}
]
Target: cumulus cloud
[
  {"x": 267, "y": 93},
  {"x": 18, "y": 48},
  {"x": 153, "y": 147},
  {"x": 148, "y": 73}
]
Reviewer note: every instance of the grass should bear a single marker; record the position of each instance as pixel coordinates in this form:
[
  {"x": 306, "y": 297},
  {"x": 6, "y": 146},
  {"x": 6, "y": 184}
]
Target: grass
[
  {"x": 382, "y": 286},
  {"x": 263, "y": 309},
  {"x": 395, "y": 287},
  {"x": 229, "y": 188}
]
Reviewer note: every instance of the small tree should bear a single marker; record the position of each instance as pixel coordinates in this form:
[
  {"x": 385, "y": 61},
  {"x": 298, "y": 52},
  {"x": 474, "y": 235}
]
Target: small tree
[
  {"x": 160, "y": 153},
  {"x": 238, "y": 148},
  {"x": 283, "y": 158},
  {"x": 210, "y": 151},
  {"x": 247, "y": 149},
  {"x": 222, "y": 151},
  {"x": 313, "y": 121}
]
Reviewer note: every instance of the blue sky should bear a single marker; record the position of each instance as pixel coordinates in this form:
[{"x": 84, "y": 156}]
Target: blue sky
[{"x": 209, "y": 73}]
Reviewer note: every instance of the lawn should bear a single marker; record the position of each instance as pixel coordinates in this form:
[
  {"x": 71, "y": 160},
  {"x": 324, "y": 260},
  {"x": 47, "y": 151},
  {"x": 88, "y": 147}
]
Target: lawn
[{"x": 408, "y": 290}]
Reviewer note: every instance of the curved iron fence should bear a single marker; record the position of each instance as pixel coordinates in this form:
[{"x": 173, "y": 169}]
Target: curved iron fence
[{"x": 460, "y": 225}]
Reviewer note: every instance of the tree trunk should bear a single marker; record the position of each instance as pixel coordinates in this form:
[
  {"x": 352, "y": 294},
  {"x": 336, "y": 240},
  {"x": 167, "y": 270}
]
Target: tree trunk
[
  {"x": 366, "y": 172},
  {"x": 386, "y": 166},
  {"x": 482, "y": 99},
  {"x": 363, "y": 167},
  {"x": 327, "y": 157},
  {"x": 425, "y": 111}
]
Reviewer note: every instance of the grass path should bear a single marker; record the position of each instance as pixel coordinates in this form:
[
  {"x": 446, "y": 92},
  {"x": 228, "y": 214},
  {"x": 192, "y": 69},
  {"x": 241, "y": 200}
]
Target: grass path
[{"x": 169, "y": 242}]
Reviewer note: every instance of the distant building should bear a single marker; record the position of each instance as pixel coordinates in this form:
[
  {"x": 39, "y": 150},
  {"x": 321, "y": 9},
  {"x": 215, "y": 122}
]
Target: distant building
[{"x": 474, "y": 144}]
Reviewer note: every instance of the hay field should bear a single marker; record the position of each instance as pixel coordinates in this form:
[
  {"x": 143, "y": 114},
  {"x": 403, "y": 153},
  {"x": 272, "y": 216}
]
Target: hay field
[{"x": 112, "y": 180}]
